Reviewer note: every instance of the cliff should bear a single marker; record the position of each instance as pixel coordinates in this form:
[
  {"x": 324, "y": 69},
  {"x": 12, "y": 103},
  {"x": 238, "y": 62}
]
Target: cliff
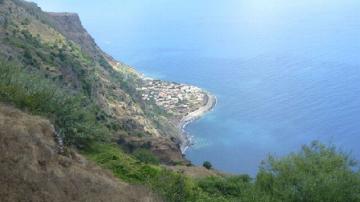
[
  {"x": 57, "y": 46},
  {"x": 70, "y": 26},
  {"x": 50, "y": 67},
  {"x": 80, "y": 126}
]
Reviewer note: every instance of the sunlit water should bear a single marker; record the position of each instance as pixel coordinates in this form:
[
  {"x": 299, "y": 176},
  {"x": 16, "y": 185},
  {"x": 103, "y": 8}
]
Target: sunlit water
[{"x": 285, "y": 72}]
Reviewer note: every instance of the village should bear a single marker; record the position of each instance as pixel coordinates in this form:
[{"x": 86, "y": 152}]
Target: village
[{"x": 179, "y": 99}]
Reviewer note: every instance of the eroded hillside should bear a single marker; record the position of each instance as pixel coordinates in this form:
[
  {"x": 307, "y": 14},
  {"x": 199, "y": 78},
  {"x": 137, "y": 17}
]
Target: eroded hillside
[{"x": 31, "y": 169}]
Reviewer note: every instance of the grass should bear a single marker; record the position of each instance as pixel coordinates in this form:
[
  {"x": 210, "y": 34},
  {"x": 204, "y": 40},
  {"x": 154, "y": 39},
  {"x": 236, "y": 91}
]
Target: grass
[
  {"x": 146, "y": 156},
  {"x": 304, "y": 176},
  {"x": 317, "y": 173},
  {"x": 73, "y": 115},
  {"x": 170, "y": 185}
]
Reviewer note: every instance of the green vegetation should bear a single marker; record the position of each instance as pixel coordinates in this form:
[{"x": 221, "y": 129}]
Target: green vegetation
[
  {"x": 73, "y": 115},
  {"x": 58, "y": 80},
  {"x": 32, "y": 39},
  {"x": 63, "y": 55},
  {"x": 207, "y": 165},
  {"x": 170, "y": 185},
  {"x": 146, "y": 156},
  {"x": 317, "y": 173},
  {"x": 234, "y": 188}
]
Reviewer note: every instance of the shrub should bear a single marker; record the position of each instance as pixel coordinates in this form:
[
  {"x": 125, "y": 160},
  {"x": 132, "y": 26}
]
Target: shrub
[
  {"x": 317, "y": 173},
  {"x": 207, "y": 165},
  {"x": 26, "y": 21},
  {"x": 73, "y": 115},
  {"x": 228, "y": 187},
  {"x": 146, "y": 156},
  {"x": 172, "y": 186},
  {"x": 122, "y": 165}
]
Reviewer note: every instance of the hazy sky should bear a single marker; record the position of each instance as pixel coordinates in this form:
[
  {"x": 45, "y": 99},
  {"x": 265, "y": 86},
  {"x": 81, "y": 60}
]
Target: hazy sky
[{"x": 210, "y": 25}]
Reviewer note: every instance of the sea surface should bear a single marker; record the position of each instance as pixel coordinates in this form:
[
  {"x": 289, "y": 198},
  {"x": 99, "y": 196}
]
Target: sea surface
[{"x": 285, "y": 72}]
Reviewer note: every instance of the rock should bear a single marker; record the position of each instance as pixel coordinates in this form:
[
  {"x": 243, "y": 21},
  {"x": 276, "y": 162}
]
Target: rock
[{"x": 167, "y": 152}]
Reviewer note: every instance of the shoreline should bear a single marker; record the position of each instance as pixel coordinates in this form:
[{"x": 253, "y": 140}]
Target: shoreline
[
  {"x": 184, "y": 137},
  {"x": 193, "y": 116}
]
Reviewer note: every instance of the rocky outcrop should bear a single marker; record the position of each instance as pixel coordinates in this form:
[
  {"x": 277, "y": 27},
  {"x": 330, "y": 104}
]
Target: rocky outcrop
[
  {"x": 69, "y": 25},
  {"x": 32, "y": 170},
  {"x": 167, "y": 150}
]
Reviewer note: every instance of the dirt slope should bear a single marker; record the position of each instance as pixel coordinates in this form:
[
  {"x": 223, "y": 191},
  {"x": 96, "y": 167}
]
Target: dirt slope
[{"x": 32, "y": 170}]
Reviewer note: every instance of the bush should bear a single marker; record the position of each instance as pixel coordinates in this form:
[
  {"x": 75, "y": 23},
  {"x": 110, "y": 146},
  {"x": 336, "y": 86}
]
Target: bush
[
  {"x": 73, "y": 115},
  {"x": 26, "y": 21},
  {"x": 123, "y": 166},
  {"x": 169, "y": 185},
  {"x": 317, "y": 173},
  {"x": 232, "y": 188},
  {"x": 146, "y": 156},
  {"x": 207, "y": 165}
]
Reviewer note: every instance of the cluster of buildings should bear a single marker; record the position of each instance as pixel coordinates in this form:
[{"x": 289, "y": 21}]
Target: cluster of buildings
[{"x": 177, "y": 98}]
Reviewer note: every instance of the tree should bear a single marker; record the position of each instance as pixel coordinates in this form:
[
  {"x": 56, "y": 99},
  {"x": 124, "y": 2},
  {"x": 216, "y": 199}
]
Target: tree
[
  {"x": 316, "y": 173},
  {"x": 146, "y": 156},
  {"x": 207, "y": 165}
]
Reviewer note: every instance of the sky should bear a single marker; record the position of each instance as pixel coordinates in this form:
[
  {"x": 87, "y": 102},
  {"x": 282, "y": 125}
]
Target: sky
[{"x": 180, "y": 24}]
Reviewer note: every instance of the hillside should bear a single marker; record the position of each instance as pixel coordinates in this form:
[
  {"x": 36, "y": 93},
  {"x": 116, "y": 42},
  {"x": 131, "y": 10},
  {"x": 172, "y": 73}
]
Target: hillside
[
  {"x": 77, "y": 125},
  {"x": 34, "y": 171},
  {"x": 58, "y": 47}
]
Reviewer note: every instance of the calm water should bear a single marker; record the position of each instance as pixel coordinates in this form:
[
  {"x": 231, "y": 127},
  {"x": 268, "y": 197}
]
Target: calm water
[{"x": 285, "y": 72}]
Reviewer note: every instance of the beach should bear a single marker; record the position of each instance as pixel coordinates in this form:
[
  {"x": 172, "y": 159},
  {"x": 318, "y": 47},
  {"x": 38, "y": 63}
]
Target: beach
[{"x": 210, "y": 102}]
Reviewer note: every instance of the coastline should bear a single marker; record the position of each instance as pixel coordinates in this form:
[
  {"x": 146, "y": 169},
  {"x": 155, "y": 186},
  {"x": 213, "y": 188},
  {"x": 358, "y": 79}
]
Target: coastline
[
  {"x": 211, "y": 101},
  {"x": 208, "y": 103}
]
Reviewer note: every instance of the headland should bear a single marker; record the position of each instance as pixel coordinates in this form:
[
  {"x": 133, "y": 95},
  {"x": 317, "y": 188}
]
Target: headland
[{"x": 185, "y": 103}]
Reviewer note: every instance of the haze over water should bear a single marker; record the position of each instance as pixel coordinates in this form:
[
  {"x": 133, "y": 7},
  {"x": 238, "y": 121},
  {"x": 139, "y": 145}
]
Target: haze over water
[{"x": 285, "y": 72}]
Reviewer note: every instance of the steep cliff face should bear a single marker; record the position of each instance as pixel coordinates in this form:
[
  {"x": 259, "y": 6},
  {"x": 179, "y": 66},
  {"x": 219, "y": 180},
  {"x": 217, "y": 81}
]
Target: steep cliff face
[
  {"x": 32, "y": 170},
  {"x": 69, "y": 25}
]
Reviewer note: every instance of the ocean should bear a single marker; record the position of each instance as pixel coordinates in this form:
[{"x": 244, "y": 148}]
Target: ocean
[{"x": 285, "y": 72}]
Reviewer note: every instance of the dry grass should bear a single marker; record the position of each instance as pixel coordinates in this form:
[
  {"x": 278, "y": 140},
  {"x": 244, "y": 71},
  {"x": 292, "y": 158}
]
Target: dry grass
[
  {"x": 32, "y": 170},
  {"x": 196, "y": 172}
]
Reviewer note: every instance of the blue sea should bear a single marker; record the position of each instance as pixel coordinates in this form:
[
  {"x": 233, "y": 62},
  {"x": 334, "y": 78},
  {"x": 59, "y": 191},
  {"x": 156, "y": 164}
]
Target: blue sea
[{"x": 285, "y": 72}]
